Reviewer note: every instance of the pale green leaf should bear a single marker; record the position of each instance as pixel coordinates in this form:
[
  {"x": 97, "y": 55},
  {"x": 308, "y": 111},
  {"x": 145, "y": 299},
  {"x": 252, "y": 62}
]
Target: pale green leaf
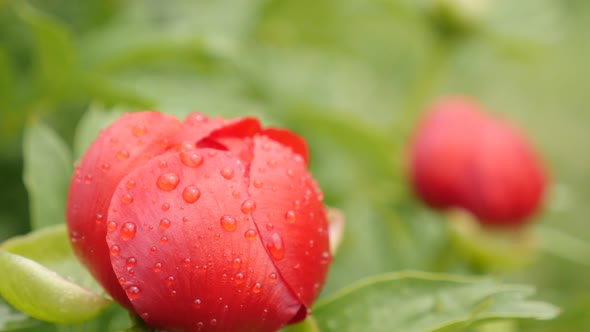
[
  {"x": 47, "y": 172},
  {"x": 93, "y": 121},
  {"x": 34, "y": 287},
  {"x": 420, "y": 302}
]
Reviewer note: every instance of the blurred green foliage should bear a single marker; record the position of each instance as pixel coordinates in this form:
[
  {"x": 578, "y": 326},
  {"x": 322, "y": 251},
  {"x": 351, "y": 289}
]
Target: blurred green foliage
[{"x": 349, "y": 75}]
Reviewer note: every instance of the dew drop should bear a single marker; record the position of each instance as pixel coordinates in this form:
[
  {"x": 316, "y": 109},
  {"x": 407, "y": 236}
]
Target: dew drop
[
  {"x": 239, "y": 278},
  {"x": 88, "y": 179},
  {"x": 164, "y": 223},
  {"x": 248, "y": 206},
  {"x": 165, "y": 207},
  {"x": 115, "y": 250},
  {"x": 105, "y": 167},
  {"x": 122, "y": 154},
  {"x": 269, "y": 227},
  {"x": 126, "y": 198},
  {"x": 139, "y": 130},
  {"x": 162, "y": 164},
  {"x": 131, "y": 262},
  {"x": 290, "y": 216},
  {"x": 145, "y": 316},
  {"x": 121, "y": 280},
  {"x": 197, "y": 303},
  {"x": 111, "y": 226},
  {"x": 227, "y": 173},
  {"x": 128, "y": 231},
  {"x": 191, "y": 158},
  {"x": 213, "y": 322},
  {"x": 276, "y": 247},
  {"x": 257, "y": 184},
  {"x": 168, "y": 181},
  {"x": 185, "y": 219},
  {"x": 250, "y": 234},
  {"x": 153, "y": 250},
  {"x": 191, "y": 194},
  {"x": 235, "y": 194},
  {"x": 99, "y": 218},
  {"x": 272, "y": 277},
  {"x": 133, "y": 292},
  {"x": 164, "y": 240},
  {"x": 271, "y": 163},
  {"x": 236, "y": 263},
  {"x": 228, "y": 223},
  {"x": 257, "y": 288},
  {"x": 131, "y": 184},
  {"x": 290, "y": 172},
  {"x": 158, "y": 267}
]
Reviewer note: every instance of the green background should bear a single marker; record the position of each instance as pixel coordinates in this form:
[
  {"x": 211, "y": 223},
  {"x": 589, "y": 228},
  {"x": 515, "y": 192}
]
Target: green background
[{"x": 348, "y": 75}]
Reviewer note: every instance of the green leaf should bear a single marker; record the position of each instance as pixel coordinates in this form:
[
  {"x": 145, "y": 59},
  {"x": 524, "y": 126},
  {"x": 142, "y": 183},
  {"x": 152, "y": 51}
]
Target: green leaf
[
  {"x": 47, "y": 172},
  {"x": 420, "y": 301},
  {"x": 11, "y": 319},
  {"x": 308, "y": 325},
  {"x": 92, "y": 122},
  {"x": 33, "y": 285},
  {"x": 55, "y": 49}
]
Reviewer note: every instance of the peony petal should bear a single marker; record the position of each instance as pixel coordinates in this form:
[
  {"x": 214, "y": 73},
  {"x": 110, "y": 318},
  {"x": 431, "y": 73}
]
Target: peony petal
[
  {"x": 441, "y": 150},
  {"x": 191, "y": 259},
  {"x": 505, "y": 178},
  {"x": 287, "y": 138},
  {"x": 290, "y": 217},
  {"x": 127, "y": 143}
]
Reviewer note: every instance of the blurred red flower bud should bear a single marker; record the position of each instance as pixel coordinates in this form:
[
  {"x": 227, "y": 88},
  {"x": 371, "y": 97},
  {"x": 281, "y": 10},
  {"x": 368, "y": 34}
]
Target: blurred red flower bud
[
  {"x": 201, "y": 225},
  {"x": 461, "y": 157}
]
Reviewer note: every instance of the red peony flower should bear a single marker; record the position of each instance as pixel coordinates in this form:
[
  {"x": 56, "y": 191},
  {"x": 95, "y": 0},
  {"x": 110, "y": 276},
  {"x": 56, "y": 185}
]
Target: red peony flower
[
  {"x": 461, "y": 157},
  {"x": 201, "y": 225}
]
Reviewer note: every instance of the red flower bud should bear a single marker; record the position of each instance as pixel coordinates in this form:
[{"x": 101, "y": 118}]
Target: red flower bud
[
  {"x": 461, "y": 157},
  {"x": 202, "y": 224}
]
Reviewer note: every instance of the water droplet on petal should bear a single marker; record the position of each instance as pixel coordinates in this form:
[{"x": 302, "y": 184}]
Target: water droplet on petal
[
  {"x": 227, "y": 173},
  {"x": 235, "y": 194},
  {"x": 191, "y": 158},
  {"x": 128, "y": 231},
  {"x": 158, "y": 267},
  {"x": 88, "y": 179},
  {"x": 164, "y": 240},
  {"x": 127, "y": 199},
  {"x": 237, "y": 262},
  {"x": 250, "y": 234},
  {"x": 239, "y": 278},
  {"x": 271, "y": 163},
  {"x": 162, "y": 164},
  {"x": 131, "y": 184},
  {"x": 269, "y": 227},
  {"x": 191, "y": 194},
  {"x": 153, "y": 250},
  {"x": 115, "y": 250},
  {"x": 197, "y": 303},
  {"x": 145, "y": 316},
  {"x": 165, "y": 207},
  {"x": 139, "y": 130},
  {"x": 213, "y": 322},
  {"x": 290, "y": 216},
  {"x": 164, "y": 223},
  {"x": 248, "y": 206},
  {"x": 133, "y": 292},
  {"x": 168, "y": 181},
  {"x": 272, "y": 277},
  {"x": 111, "y": 226},
  {"x": 131, "y": 262},
  {"x": 105, "y": 167},
  {"x": 257, "y": 288},
  {"x": 257, "y": 184},
  {"x": 122, "y": 154},
  {"x": 228, "y": 223},
  {"x": 276, "y": 247}
]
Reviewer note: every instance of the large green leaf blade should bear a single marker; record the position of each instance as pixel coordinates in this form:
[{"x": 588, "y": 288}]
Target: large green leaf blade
[
  {"x": 47, "y": 172},
  {"x": 421, "y": 302},
  {"x": 33, "y": 286}
]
